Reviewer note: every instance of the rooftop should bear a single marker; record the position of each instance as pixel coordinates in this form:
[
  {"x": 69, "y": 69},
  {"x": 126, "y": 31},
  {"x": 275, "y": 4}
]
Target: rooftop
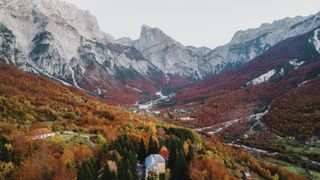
[
  {"x": 154, "y": 158},
  {"x": 40, "y": 131}
]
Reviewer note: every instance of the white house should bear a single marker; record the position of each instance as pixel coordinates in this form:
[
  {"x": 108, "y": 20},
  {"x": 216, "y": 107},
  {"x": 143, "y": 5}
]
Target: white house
[
  {"x": 247, "y": 176},
  {"x": 42, "y": 133},
  {"x": 155, "y": 164}
]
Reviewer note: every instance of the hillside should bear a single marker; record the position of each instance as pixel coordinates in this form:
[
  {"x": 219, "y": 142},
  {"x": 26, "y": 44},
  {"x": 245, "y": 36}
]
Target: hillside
[
  {"x": 269, "y": 105},
  {"x": 94, "y": 140},
  {"x": 57, "y": 40},
  {"x": 253, "y": 87}
]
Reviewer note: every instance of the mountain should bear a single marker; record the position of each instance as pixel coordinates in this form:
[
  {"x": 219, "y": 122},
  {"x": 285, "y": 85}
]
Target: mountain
[
  {"x": 172, "y": 57},
  {"x": 169, "y": 55},
  {"x": 59, "y": 41},
  {"x": 283, "y": 80},
  {"x": 199, "y": 51},
  {"x": 56, "y": 39},
  {"x": 248, "y": 44}
]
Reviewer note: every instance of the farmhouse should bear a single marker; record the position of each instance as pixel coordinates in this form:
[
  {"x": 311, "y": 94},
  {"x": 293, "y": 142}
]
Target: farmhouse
[
  {"x": 155, "y": 164},
  {"x": 41, "y": 133},
  {"x": 247, "y": 176}
]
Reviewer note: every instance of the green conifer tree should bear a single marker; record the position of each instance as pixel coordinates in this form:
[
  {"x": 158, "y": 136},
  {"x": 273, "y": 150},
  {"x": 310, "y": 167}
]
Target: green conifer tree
[
  {"x": 180, "y": 167},
  {"x": 142, "y": 151}
]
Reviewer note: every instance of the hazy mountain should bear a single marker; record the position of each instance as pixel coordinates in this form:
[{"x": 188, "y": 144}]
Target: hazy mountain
[{"x": 248, "y": 44}]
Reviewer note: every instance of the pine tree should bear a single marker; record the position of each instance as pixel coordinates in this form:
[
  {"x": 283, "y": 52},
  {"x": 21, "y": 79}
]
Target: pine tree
[
  {"x": 150, "y": 146},
  {"x": 131, "y": 175},
  {"x": 142, "y": 151},
  {"x": 108, "y": 173},
  {"x": 172, "y": 147},
  {"x": 180, "y": 167},
  {"x": 122, "y": 170},
  {"x": 190, "y": 154},
  {"x": 88, "y": 170},
  {"x": 132, "y": 159},
  {"x": 153, "y": 146},
  {"x": 5, "y": 154},
  {"x": 81, "y": 174}
]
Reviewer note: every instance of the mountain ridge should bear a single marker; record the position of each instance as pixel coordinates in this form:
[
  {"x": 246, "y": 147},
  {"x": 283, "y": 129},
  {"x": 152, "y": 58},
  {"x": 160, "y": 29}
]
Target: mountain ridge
[{"x": 56, "y": 39}]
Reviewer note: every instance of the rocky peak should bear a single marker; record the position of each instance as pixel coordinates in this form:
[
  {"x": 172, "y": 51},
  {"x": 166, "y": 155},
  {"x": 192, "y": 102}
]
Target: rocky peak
[
  {"x": 62, "y": 42},
  {"x": 278, "y": 25},
  {"x": 153, "y": 38},
  {"x": 145, "y": 28},
  {"x": 55, "y": 11},
  {"x": 248, "y": 44},
  {"x": 166, "y": 53}
]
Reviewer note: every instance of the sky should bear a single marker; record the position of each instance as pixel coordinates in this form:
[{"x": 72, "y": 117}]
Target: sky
[{"x": 192, "y": 22}]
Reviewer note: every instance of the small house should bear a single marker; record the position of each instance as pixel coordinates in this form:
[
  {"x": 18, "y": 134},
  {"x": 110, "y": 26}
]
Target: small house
[
  {"x": 68, "y": 132},
  {"x": 247, "y": 176},
  {"x": 42, "y": 133},
  {"x": 155, "y": 164}
]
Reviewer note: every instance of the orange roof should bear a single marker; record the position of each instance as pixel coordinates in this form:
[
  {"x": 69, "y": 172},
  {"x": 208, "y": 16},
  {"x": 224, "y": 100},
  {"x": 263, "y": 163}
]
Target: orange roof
[
  {"x": 40, "y": 131},
  {"x": 164, "y": 152}
]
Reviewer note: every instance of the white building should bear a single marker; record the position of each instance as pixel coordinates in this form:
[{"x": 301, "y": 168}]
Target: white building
[
  {"x": 42, "y": 133},
  {"x": 155, "y": 164}
]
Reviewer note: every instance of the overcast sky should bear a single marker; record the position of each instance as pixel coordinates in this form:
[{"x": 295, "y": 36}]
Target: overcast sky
[{"x": 192, "y": 22}]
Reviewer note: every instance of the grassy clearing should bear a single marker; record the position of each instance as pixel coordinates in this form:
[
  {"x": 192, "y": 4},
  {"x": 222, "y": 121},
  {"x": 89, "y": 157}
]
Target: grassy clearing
[
  {"x": 290, "y": 167},
  {"x": 293, "y": 168},
  {"x": 316, "y": 175},
  {"x": 72, "y": 138},
  {"x": 296, "y": 146},
  {"x": 296, "y": 169}
]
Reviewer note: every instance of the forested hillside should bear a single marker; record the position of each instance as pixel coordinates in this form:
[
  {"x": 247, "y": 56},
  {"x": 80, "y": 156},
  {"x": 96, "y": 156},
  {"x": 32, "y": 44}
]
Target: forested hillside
[
  {"x": 97, "y": 141},
  {"x": 253, "y": 87}
]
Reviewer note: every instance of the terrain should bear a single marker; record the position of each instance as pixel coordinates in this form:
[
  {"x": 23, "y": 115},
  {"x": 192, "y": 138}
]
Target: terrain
[
  {"x": 250, "y": 107},
  {"x": 94, "y": 140},
  {"x": 57, "y": 40},
  {"x": 270, "y": 104}
]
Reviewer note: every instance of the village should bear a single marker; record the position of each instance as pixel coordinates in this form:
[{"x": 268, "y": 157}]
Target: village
[{"x": 153, "y": 167}]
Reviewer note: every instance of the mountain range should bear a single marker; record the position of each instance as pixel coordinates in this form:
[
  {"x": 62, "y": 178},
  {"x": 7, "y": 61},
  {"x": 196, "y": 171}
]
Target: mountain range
[
  {"x": 269, "y": 83},
  {"x": 206, "y": 108},
  {"x": 59, "y": 41}
]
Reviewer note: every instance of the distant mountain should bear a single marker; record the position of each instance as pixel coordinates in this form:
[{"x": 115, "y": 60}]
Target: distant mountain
[
  {"x": 169, "y": 55},
  {"x": 58, "y": 40},
  {"x": 198, "y": 63},
  {"x": 284, "y": 80},
  {"x": 248, "y": 44}
]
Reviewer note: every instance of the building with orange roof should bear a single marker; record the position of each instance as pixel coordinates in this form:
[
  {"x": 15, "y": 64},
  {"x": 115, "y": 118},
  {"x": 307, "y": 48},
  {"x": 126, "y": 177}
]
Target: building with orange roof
[{"x": 42, "y": 133}]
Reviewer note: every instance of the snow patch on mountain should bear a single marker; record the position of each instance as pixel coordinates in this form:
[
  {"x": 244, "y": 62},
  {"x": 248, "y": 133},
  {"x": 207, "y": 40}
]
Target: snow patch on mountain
[
  {"x": 133, "y": 88},
  {"x": 263, "y": 78},
  {"x": 295, "y": 63},
  {"x": 66, "y": 43},
  {"x": 38, "y": 71},
  {"x": 317, "y": 40},
  {"x": 248, "y": 44}
]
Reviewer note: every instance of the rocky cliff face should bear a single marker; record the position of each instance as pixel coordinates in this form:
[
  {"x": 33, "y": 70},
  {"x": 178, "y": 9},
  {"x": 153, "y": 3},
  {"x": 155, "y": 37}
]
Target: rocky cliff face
[
  {"x": 172, "y": 57},
  {"x": 246, "y": 45},
  {"x": 167, "y": 54},
  {"x": 58, "y": 40}
]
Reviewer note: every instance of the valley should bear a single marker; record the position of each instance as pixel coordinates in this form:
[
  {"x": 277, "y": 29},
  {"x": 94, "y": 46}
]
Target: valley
[{"x": 77, "y": 103}]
